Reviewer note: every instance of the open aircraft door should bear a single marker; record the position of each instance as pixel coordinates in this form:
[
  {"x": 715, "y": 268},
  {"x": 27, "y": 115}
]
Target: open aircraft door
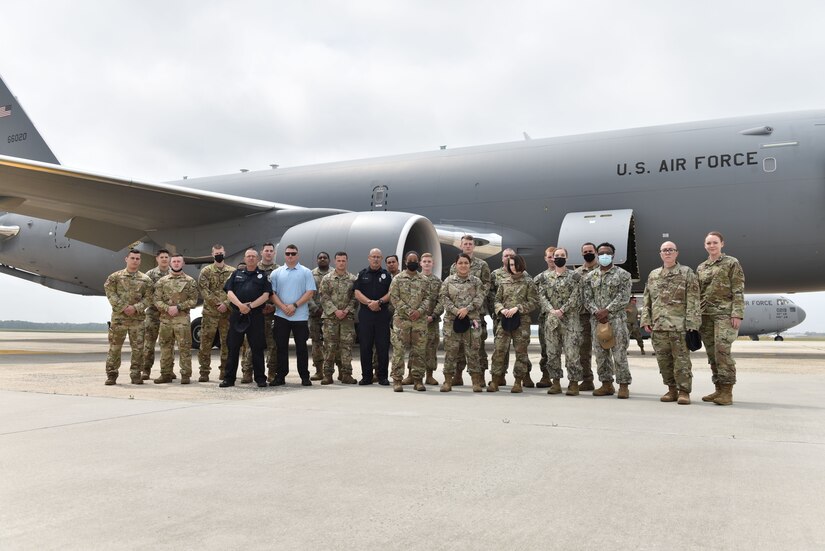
[{"x": 613, "y": 226}]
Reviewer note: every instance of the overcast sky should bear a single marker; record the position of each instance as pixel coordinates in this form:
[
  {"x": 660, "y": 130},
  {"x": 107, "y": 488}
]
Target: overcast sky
[{"x": 157, "y": 90}]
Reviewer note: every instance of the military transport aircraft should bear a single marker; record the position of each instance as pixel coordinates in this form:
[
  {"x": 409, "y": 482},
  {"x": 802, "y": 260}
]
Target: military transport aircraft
[
  {"x": 769, "y": 314},
  {"x": 760, "y": 180}
]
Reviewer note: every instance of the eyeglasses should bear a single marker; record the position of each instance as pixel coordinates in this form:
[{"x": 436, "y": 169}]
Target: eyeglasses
[
  {"x": 668, "y": 251},
  {"x": 290, "y": 254}
]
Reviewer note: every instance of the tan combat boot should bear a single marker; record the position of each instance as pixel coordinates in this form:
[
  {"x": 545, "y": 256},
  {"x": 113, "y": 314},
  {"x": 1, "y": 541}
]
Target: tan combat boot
[
  {"x": 326, "y": 379},
  {"x": 163, "y": 379},
  {"x": 408, "y": 380},
  {"x": 111, "y": 379},
  {"x": 448, "y": 384},
  {"x": 418, "y": 385},
  {"x": 493, "y": 386},
  {"x": 430, "y": 380},
  {"x": 203, "y": 378},
  {"x": 725, "y": 397},
  {"x": 527, "y": 381},
  {"x": 185, "y": 379},
  {"x": 457, "y": 379},
  {"x": 712, "y": 396},
  {"x": 670, "y": 395},
  {"x": 606, "y": 389},
  {"x": 501, "y": 380},
  {"x": 145, "y": 376},
  {"x": 397, "y": 386},
  {"x": 347, "y": 379},
  {"x": 517, "y": 386},
  {"x": 221, "y": 375},
  {"x": 318, "y": 375},
  {"x": 174, "y": 376},
  {"x": 624, "y": 391},
  {"x": 573, "y": 388},
  {"x": 643, "y": 350},
  {"x": 136, "y": 380},
  {"x": 555, "y": 388},
  {"x": 476, "y": 377},
  {"x": 247, "y": 378},
  {"x": 684, "y": 398},
  {"x": 545, "y": 381},
  {"x": 586, "y": 385}
]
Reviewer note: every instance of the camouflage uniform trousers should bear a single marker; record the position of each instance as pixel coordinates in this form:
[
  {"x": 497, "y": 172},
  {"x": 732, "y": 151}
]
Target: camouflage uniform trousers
[
  {"x": 338, "y": 341},
  {"x": 271, "y": 350},
  {"x": 635, "y": 333},
  {"x": 521, "y": 340},
  {"x": 482, "y": 351},
  {"x": 673, "y": 357},
  {"x": 409, "y": 336},
  {"x": 316, "y": 333},
  {"x": 564, "y": 337},
  {"x": 431, "y": 354},
  {"x": 150, "y": 336},
  {"x": 586, "y": 347},
  {"x": 613, "y": 361},
  {"x": 118, "y": 330},
  {"x": 210, "y": 324},
  {"x": 172, "y": 331},
  {"x": 717, "y": 337},
  {"x": 454, "y": 346}
]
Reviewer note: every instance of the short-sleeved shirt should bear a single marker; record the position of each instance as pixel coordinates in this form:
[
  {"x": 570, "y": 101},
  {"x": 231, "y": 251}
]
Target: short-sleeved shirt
[
  {"x": 248, "y": 286},
  {"x": 290, "y": 284},
  {"x": 374, "y": 284}
]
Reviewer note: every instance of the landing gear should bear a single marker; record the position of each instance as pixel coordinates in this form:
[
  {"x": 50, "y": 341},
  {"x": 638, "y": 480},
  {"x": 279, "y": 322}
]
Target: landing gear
[
  {"x": 754, "y": 337},
  {"x": 778, "y": 338}
]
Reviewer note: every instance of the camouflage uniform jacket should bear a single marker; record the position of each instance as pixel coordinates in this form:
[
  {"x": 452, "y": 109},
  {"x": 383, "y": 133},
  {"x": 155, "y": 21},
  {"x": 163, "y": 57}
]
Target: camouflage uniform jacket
[
  {"x": 481, "y": 270},
  {"x": 409, "y": 292},
  {"x": 176, "y": 290},
  {"x": 722, "y": 287},
  {"x": 434, "y": 307},
  {"x": 583, "y": 271},
  {"x": 610, "y": 289},
  {"x": 671, "y": 301},
  {"x": 457, "y": 293},
  {"x": 316, "y": 309},
  {"x": 519, "y": 292},
  {"x": 210, "y": 284},
  {"x": 337, "y": 292},
  {"x": 560, "y": 292},
  {"x": 155, "y": 274},
  {"x": 124, "y": 289}
]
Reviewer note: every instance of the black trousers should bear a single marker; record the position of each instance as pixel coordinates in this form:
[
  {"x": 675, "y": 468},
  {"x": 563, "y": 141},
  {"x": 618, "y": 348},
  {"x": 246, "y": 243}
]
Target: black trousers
[
  {"x": 374, "y": 329},
  {"x": 257, "y": 343},
  {"x": 300, "y": 334}
]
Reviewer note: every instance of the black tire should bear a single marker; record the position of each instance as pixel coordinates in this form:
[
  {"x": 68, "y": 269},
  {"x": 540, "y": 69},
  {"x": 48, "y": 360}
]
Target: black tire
[
  {"x": 779, "y": 338},
  {"x": 196, "y": 335}
]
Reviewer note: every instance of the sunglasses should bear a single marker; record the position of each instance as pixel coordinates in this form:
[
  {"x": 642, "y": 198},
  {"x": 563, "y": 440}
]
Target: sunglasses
[{"x": 290, "y": 254}]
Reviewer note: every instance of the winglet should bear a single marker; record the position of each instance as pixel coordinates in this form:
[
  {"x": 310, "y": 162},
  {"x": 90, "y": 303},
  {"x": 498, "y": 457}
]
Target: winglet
[{"x": 18, "y": 136}]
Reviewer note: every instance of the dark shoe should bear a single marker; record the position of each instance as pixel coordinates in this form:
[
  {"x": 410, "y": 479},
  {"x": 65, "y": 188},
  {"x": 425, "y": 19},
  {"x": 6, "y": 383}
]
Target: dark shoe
[
  {"x": 225, "y": 384},
  {"x": 365, "y": 382},
  {"x": 277, "y": 381},
  {"x": 262, "y": 384},
  {"x": 384, "y": 382},
  {"x": 306, "y": 382}
]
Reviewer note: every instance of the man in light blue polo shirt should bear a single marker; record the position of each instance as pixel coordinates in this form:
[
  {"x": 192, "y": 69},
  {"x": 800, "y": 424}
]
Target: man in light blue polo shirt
[{"x": 292, "y": 288}]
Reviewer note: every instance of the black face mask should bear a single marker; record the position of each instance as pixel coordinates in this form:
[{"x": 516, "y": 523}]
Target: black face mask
[
  {"x": 589, "y": 257},
  {"x": 559, "y": 261},
  {"x": 176, "y": 271},
  {"x": 218, "y": 258},
  {"x": 412, "y": 266}
]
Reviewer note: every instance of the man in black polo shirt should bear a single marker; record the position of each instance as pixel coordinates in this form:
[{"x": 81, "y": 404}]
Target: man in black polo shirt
[
  {"x": 248, "y": 290},
  {"x": 372, "y": 290}
]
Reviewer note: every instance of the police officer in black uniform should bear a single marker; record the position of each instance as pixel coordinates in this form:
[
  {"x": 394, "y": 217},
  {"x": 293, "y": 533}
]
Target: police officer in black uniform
[
  {"x": 248, "y": 290},
  {"x": 372, "y": 290}
]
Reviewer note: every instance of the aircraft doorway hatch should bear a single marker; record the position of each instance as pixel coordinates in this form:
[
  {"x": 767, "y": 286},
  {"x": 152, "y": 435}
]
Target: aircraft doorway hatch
[
  {"x": 379, "y": 198},
  {"x": 60, "y": 239},
  {"x": 613, "y": 226}
]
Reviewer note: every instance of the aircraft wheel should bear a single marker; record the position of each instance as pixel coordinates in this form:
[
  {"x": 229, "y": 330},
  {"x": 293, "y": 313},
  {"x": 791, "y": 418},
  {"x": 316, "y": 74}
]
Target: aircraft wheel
[
  {"x": 754, "y": 337},
  {"x": 195, "y": 327},
  {"x": 779, "y": 338}
]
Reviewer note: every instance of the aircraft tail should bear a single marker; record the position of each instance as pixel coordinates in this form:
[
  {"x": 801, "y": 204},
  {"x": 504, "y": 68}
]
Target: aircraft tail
[{"x": 18, "y": 136}]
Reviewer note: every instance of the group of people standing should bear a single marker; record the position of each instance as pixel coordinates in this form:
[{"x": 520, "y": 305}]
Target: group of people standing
[{"x": 581, "y": 311}]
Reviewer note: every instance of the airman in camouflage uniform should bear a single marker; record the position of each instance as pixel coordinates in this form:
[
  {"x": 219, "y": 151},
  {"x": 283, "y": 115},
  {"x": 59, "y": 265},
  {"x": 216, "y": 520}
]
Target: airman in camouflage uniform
[
  {"x": 606, "y": 293},
  {"x": 481, "y": 270},
  {"x": 496, "y": 276},
  {"x": 215, "y": 316},
  {"x": 152, "y": 323},
  {"x": 175, "y": 294},
  {"x": 409, "y": 295},
  {"x": 516, "y": 293},
  {"x": 560, "y": 298},
  {"x": 671, "y": 307},
  {"x": 338, "y": 304},
  {"x": 545, "y": 381},
  {"x": 722, "y": 288},
  {"x": 462, "y": 295},
  {"x": 129, "y": 292},
  {"x": 315, "y": 317},
  {"x": 433, "y": 314},
  {"x": 632, "y": 319},
  {"x": 267, "y": 265},
  {"x": 586, "y": 344}
]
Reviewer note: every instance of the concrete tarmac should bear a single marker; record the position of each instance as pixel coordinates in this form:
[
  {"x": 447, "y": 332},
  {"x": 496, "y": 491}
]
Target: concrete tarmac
[{"x": 86, "y": 466}]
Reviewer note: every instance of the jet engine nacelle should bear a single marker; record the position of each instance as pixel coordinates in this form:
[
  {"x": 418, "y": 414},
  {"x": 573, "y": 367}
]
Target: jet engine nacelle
[{"x": 358, "y": 232}]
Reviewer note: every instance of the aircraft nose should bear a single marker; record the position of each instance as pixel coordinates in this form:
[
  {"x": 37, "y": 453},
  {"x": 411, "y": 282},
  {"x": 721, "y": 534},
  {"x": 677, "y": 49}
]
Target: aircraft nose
[{"x": 800, "y": 314}]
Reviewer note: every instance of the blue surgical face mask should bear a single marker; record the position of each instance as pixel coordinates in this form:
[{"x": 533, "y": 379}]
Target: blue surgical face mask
[{"x": 605, "y": 259}]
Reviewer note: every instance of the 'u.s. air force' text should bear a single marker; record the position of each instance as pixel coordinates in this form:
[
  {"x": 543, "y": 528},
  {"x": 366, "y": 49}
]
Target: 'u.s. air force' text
[{"x": 699, "y": 162}]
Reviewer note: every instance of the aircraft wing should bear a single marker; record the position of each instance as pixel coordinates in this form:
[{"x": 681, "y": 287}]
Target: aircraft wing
[{"x": 112, "y": 212}]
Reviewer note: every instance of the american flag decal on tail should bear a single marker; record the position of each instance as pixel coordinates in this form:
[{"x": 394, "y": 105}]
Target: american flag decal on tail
[{"x": 5, "y": 110}]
